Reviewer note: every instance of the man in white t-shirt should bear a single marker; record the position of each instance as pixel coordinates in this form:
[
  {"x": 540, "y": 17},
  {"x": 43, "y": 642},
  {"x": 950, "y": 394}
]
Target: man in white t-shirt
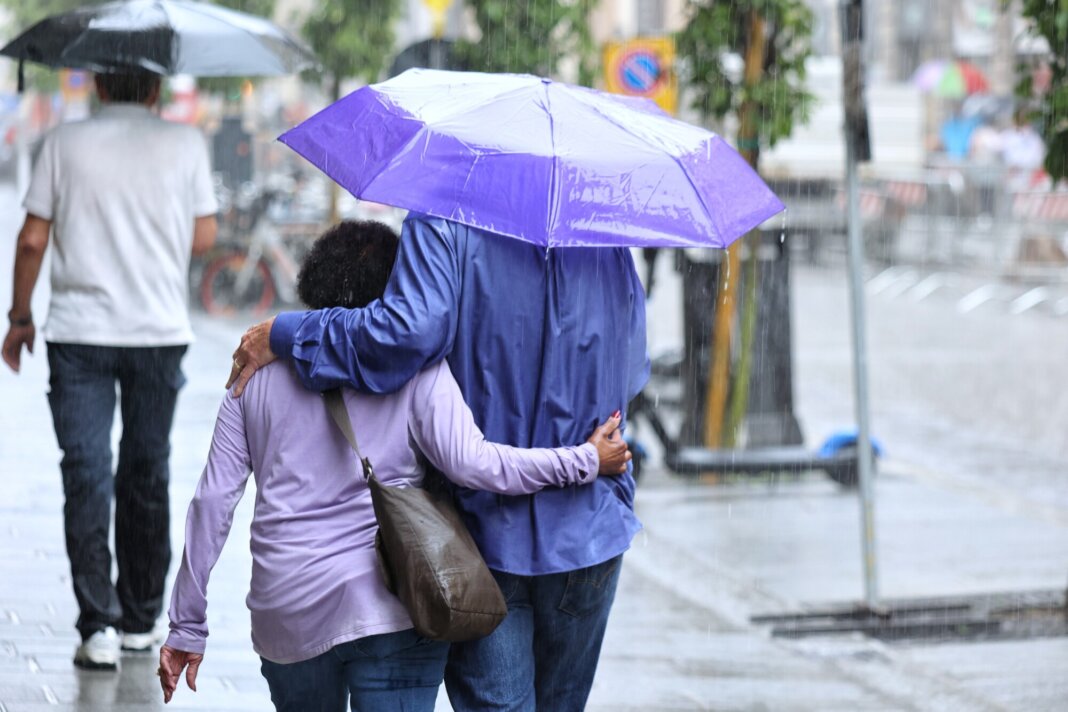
[{"x": 127, "y": 198}]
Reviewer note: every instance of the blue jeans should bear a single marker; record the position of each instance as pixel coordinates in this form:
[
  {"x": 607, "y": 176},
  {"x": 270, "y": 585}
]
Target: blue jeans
[
  {"x": 82, "y": 396},
  {"x": 392, "y": 671},
  {"x": 544, "y": 655}
]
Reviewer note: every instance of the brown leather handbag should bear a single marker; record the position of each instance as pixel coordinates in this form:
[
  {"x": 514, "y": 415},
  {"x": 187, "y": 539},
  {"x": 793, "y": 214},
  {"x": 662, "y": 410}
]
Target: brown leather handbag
[{"x": 427, "y": 556}]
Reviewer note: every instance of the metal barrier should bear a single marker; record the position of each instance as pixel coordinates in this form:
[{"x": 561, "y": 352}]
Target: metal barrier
[
  {"x": 1038, "y": 248},
  {"x": 950, "y": 216}
]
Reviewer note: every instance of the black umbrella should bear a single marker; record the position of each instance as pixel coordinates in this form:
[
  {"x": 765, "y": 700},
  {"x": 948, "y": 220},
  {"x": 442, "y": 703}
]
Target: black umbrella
[{"x": 161, "y": 36}]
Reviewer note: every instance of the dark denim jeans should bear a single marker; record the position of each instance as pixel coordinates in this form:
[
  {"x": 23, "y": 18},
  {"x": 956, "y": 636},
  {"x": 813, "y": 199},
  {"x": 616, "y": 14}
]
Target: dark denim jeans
[
  {"x": 544, "y": 655},
  {"x": 392, "y": 671},
  {"x": 82, "y": 396}
]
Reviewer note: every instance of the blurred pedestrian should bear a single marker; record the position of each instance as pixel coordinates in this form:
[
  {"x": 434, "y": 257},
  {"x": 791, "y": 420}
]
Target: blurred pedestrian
[
  {"x": 328, "y": 632},
  {"x": 126, "y": 199},
  {"x": 1023, "y": 152},
  {"x": 984, "y": 153},
  {"x": 541, "y": 343},
  {"x": 955, "y": 134}
]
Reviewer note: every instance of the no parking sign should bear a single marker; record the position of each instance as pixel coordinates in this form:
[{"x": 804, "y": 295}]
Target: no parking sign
[{"x": 643, "y": 67}]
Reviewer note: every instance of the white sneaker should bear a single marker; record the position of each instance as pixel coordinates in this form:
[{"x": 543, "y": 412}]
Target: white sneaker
[
  {"x": 99, "y": 652},
  {"x": 143, "y": 642}
]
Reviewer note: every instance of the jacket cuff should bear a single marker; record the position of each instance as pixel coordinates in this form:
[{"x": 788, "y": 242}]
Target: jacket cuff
[
  {"x": 589, "y": 464},
  {"x": 190, "y": 644},
  {"x": 283, "y": 332}
]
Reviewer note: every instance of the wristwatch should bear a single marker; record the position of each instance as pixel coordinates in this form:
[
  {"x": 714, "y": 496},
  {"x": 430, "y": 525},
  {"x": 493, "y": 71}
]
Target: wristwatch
[{"x": 19, "y": 320}]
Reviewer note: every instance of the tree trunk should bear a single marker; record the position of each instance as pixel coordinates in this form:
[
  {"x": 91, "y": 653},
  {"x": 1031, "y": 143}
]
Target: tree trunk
[
  {"x": 335, "y": 94},
  {"x": 749, "y": 147}
]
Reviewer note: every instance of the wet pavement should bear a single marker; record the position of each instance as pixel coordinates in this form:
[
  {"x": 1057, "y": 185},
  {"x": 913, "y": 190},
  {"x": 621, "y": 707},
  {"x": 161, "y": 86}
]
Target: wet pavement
[{"x": 963, "y": 507}]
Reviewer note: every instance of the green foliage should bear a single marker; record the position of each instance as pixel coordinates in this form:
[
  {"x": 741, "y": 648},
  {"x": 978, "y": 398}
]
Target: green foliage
[
  {"x": 531, "y": 37},
  {"x": 717, "y": 29},
  {"x": 27, "y": 12},
  {"x": 261, "y": 8},
  {"x": 1049, "y": 19},
  {"x": 352, "y": 38}
]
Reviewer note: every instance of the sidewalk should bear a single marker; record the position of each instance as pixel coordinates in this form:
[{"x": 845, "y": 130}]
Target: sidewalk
[
  {"x": 977, "y": 518},
  {"x": 679, "y": 638}
]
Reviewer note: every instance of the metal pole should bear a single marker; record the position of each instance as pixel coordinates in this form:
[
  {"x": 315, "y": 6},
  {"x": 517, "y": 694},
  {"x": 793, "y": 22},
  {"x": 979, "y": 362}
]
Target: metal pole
[
  {"x": 853, "y": 81},
  {"x": 860, "y": 382},
  {"x": 437, "y": 54}
]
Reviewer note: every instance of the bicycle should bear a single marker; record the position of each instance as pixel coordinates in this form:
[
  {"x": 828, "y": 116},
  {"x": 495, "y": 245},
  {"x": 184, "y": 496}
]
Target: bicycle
[{"x": 256, "y": 265}]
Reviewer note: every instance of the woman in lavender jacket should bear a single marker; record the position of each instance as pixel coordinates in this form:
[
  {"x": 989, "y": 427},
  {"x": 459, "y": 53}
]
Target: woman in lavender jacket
[{"x": 323, "y": 623}]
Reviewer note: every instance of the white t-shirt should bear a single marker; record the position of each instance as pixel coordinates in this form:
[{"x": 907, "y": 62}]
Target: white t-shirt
[{"x": 122, "y": 190}]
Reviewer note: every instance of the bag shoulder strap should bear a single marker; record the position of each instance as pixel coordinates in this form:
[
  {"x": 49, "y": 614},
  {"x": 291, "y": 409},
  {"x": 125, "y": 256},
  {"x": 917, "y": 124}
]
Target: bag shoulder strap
[{"x": 335, "y": 403}]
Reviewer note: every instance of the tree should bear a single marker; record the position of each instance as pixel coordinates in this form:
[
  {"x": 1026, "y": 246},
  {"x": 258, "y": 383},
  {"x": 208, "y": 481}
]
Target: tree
[
  {"x": 1049, "y": 19},
  {"x": 351, "y": 38},
  {"x": 531, "y": 37},
  {"x": 768, "y": 98},
  {"x": 720, "y": 31}
]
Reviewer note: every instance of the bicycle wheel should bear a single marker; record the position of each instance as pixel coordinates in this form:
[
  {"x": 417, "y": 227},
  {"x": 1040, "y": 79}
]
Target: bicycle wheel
[{"x": 218, "y": 287}]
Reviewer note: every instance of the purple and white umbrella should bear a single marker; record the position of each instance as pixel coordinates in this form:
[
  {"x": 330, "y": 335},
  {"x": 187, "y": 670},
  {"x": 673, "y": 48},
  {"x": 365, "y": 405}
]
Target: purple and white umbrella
[{"x": 545, "y": 162}]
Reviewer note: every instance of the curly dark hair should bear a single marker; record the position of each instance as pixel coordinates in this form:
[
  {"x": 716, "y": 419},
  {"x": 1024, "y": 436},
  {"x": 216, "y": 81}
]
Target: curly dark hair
[{"x": 348, "y": 266}]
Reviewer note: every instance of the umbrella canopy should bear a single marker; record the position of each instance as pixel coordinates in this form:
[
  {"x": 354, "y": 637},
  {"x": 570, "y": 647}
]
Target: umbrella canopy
[
  {"x": 162, "y": 36},
  {"x": 545, "y": 162},
  {"x": 950, "y": 79}
]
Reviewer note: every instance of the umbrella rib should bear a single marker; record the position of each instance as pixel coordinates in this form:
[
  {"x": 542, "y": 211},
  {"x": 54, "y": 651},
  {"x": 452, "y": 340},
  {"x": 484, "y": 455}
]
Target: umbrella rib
[
  {"x": 396, "y": 158},
  {"x": 554, "y": 200}
]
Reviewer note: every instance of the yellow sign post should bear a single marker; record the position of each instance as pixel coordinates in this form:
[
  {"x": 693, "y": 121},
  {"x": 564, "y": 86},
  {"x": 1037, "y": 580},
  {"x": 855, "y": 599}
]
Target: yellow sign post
[
  {"x": 645, "y": 67},
  {"x": 437, "y": 11}
]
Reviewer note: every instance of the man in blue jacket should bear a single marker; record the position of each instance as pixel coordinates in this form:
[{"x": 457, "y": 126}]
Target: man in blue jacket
[{"x": 543, "y": 343}]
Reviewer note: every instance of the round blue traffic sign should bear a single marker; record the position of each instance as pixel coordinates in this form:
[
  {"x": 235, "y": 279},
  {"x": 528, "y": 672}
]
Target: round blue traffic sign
[{"x": 640, "y": 72}]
